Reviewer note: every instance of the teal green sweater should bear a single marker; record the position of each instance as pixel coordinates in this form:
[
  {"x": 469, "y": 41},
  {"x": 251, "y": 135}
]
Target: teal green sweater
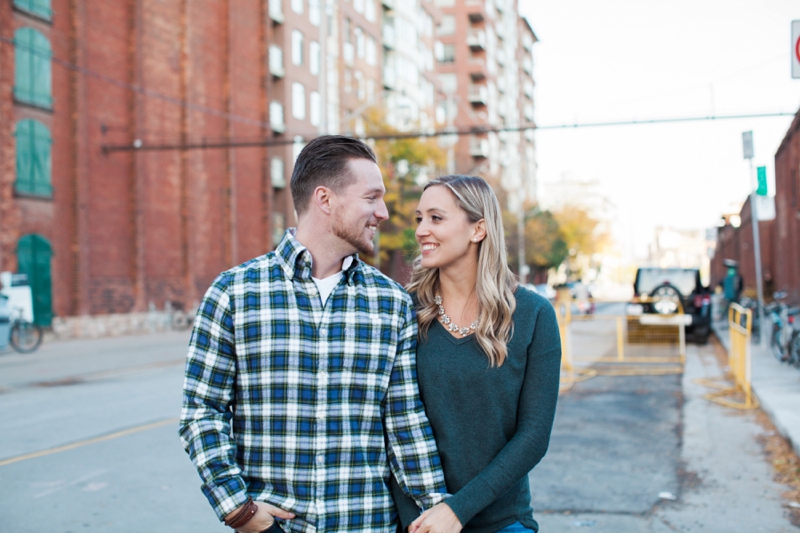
[{"x": 492, "y": 424}]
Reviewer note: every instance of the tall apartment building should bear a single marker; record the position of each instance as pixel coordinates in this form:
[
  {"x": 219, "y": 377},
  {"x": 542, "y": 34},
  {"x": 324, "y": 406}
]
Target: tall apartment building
[
  {"x": 111, "y": 199},
  {"x": 485, "y": 65}
]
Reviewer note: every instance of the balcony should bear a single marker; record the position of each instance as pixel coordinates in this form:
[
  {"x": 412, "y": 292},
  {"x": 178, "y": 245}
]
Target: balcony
[
  {"x": 500, "y": 57},
  {"x": 388, "y": 4},
  {"x": 477, "y": 69},
  {"x": 276, "y": 11},
  {"x": 478, "y": 95},
  {"x": 389, "y": 77},
  {"x": 476, "y": 10},
  {"x": 276, "y": 61},
  {"x": 388, "y": 36},
  {"x": 479, "y": 148},
  {"x": 527, "y": 66},
  {"x": 476, "y": 39},
  {"x": 528, "y": 113}
]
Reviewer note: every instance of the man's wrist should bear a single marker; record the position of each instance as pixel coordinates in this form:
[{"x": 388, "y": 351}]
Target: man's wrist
[{"x": 242, "y": 515}]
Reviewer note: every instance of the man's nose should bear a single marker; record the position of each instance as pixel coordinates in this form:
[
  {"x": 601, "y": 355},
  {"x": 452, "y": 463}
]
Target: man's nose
[{"x": 382, "y": 212}]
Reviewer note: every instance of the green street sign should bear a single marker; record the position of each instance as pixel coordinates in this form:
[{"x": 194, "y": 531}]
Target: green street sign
[{"x": 761, "y": 175}]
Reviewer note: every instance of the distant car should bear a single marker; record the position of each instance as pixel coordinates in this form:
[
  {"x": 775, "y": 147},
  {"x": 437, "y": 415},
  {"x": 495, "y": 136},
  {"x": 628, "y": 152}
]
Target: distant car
[
  {"x": 665, "y": 291},
  {"x": 545, "y": 290},
  {"x": 582, "y": 297}
]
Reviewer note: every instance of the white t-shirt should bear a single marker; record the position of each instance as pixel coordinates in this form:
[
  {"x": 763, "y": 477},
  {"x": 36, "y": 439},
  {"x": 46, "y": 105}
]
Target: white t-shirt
[{"x": 326, "y": 286}]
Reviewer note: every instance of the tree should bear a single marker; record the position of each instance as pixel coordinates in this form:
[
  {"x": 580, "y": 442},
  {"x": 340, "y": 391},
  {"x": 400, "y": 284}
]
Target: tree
[
  {"x": 405, "y": 165},
  {"x": 583, "y": 234}
]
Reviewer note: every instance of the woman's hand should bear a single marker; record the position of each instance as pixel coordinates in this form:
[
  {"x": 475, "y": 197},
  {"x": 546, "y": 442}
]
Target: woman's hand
[{"x": 438, "y": 519}]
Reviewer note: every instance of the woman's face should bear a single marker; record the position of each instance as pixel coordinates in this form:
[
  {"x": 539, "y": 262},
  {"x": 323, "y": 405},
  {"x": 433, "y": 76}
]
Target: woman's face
[{"x": 444, "y": 233}]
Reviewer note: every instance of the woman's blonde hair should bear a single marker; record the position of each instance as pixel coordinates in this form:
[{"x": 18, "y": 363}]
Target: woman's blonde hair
[{"x": 495, "y": 282}]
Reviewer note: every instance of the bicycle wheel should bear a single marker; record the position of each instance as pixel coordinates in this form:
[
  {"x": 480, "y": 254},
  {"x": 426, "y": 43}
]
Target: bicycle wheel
[
  {"x": 794, "y": 349},
  {"x": 26, "y": 337},
  {"x": 775, "y": 343}
]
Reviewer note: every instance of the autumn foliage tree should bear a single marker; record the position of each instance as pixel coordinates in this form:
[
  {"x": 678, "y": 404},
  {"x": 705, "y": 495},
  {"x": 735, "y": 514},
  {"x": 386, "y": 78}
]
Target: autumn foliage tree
[{"x": 405, "y": 164}]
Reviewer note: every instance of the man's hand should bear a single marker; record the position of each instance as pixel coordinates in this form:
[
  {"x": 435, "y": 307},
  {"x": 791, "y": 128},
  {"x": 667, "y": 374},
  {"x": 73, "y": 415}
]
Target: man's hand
[
  {"x": 263, "y": 519},
  {"x": 438, "y": 519}
]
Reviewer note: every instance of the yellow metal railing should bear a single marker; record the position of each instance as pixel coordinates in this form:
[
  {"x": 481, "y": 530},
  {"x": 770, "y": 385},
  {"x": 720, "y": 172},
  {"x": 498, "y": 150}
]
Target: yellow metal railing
[{"x": 740, "y": 321}]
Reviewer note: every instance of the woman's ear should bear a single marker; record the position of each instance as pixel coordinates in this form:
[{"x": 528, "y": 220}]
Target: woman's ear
[{"x": 479, "y": 233}]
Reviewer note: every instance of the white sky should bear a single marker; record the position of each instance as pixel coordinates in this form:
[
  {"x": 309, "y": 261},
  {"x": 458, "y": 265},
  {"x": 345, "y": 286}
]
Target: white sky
[{"x": 631, "y": 59}]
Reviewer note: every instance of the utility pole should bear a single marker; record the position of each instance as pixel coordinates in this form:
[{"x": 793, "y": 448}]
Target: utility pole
[{"x": 747, "y": 145}]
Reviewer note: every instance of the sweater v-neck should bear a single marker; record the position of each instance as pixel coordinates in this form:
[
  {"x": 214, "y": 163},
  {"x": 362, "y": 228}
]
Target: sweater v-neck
[{"x": 452, "y": 338}]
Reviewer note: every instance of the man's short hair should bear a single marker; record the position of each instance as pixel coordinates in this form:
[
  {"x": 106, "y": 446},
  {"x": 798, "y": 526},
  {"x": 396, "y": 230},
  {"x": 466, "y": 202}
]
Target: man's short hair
[{"x": 323, "y": 161}]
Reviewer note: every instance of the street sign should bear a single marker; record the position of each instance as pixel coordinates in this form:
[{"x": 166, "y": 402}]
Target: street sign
[
  {"x": 747, "y": 145},
  {"x": 795, "y": 49},
  {"x": 765, "y": 208},
  {"x": 761, "y": 175}
]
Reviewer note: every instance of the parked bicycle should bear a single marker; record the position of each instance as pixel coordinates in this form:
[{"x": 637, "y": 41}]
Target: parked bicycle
[{"x": 24, "y": 336}]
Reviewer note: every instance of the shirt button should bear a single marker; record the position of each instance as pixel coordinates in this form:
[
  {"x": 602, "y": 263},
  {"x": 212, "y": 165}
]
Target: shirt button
[
  {"x": 320, "y": 459},
  {"x": 318, "y": 504},
  {"x": 323, "y": 334},
  {"x": 323, "y": 376},
  {"x": 321, "y": 415}
]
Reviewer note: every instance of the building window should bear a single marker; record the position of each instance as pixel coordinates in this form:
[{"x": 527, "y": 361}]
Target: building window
[
  {"x": 372, "y": 51},
  {"x": 314, "y": 57},
  {"x": 32, "y": 80},
  {"x": 369, "y": 11},
  {"x": 361, "y": 90},
  {"x": 276, "y": 174},
  {"x": 314, "y": 10},
  {"x": 276, "y": 117},
  {"x": 447, "y": 26},
  {"x": 449, "y": 83},
  {"x": 360, "y": 43},
  {"x": 40, "y": 8},
  {"x": 358, "y": 5},
  {"x": 298, "y": 101},
  {"x": 315, "y": 108},
  {"x": 448, "y": 53},
  {"x": 297, "y": 6},
  {"x": 33, "y": 158},
  {"x": 297, "y": 47}
]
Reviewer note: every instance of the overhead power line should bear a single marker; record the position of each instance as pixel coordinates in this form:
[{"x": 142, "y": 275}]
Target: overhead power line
[{"x": 475, "y": 130}]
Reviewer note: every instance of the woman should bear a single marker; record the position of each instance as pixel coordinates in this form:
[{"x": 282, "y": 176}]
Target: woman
[{"x": 488, "y": 362}]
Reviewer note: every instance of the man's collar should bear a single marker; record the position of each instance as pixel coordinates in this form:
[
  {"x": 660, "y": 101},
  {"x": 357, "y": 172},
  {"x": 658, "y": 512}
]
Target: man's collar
[{"x": 296, "y": 260}]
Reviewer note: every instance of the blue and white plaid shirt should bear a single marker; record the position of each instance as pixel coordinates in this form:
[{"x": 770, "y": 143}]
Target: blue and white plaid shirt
[{"x": 305, "y": 406}]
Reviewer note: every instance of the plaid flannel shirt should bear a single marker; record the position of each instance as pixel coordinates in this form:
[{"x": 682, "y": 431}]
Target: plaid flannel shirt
[{"x": 305, "y": 406}]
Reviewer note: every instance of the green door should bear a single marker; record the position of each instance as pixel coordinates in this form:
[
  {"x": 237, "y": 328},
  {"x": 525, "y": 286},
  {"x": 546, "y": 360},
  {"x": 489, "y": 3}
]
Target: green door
[{"x": 33, "y": 256}]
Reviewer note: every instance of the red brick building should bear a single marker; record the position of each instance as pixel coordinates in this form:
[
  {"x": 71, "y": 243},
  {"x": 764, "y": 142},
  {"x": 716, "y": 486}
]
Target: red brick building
[
  {"x": 779, "y": 238},
  {"x": 124, "y": 185}
]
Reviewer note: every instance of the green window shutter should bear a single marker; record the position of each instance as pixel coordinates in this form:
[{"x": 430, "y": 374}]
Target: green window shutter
[
  {"x": 33, "y": 70},
  {"x": 39, "y": 8},
  {"x": 34, "y": 258},
  {"x": 34, "y": 159}
]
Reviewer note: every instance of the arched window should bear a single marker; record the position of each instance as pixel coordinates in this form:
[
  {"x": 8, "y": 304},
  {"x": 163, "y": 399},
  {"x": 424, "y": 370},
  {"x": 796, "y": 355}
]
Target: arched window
[
  {"x": 32, "y": 82},
  {"x": 33, "y": 258},
  {"x": 40, "y": 8},
  {"x": 33, "y": 158}
]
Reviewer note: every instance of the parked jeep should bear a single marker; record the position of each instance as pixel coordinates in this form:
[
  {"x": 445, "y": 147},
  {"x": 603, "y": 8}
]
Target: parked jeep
[{"x": 665, "y": 291}]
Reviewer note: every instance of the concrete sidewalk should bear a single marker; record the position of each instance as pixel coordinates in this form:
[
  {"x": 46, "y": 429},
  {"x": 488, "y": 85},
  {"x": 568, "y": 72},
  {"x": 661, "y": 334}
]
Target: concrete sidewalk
[{"x": 775, "y": 384}]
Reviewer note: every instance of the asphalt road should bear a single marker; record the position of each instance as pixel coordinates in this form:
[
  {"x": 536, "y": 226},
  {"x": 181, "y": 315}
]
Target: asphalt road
[{"x": 90, "y": 444}]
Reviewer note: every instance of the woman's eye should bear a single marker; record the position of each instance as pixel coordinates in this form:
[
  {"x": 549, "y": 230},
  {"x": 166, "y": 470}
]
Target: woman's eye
[{"x": 418, "y": 219}]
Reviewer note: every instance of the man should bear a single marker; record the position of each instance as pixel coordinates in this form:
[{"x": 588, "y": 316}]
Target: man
[{"x": 300, "y": 388}]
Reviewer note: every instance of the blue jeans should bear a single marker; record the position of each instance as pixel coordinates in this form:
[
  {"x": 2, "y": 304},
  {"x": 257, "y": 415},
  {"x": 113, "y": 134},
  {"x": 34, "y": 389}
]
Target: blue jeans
[{"x": 516, "y": 527}]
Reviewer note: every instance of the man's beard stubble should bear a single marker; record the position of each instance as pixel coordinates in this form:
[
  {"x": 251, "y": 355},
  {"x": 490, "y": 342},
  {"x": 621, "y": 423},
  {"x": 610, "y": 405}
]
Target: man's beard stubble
[{"x": 352, "y": 236}]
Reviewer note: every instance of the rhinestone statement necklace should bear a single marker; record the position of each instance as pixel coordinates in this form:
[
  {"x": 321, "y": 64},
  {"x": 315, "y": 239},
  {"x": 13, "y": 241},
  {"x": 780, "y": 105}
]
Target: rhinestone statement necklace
[{"x": 449, "y": 324}]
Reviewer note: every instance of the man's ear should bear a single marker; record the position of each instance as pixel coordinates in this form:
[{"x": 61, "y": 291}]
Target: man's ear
[{"x": 323, "y": 197}]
